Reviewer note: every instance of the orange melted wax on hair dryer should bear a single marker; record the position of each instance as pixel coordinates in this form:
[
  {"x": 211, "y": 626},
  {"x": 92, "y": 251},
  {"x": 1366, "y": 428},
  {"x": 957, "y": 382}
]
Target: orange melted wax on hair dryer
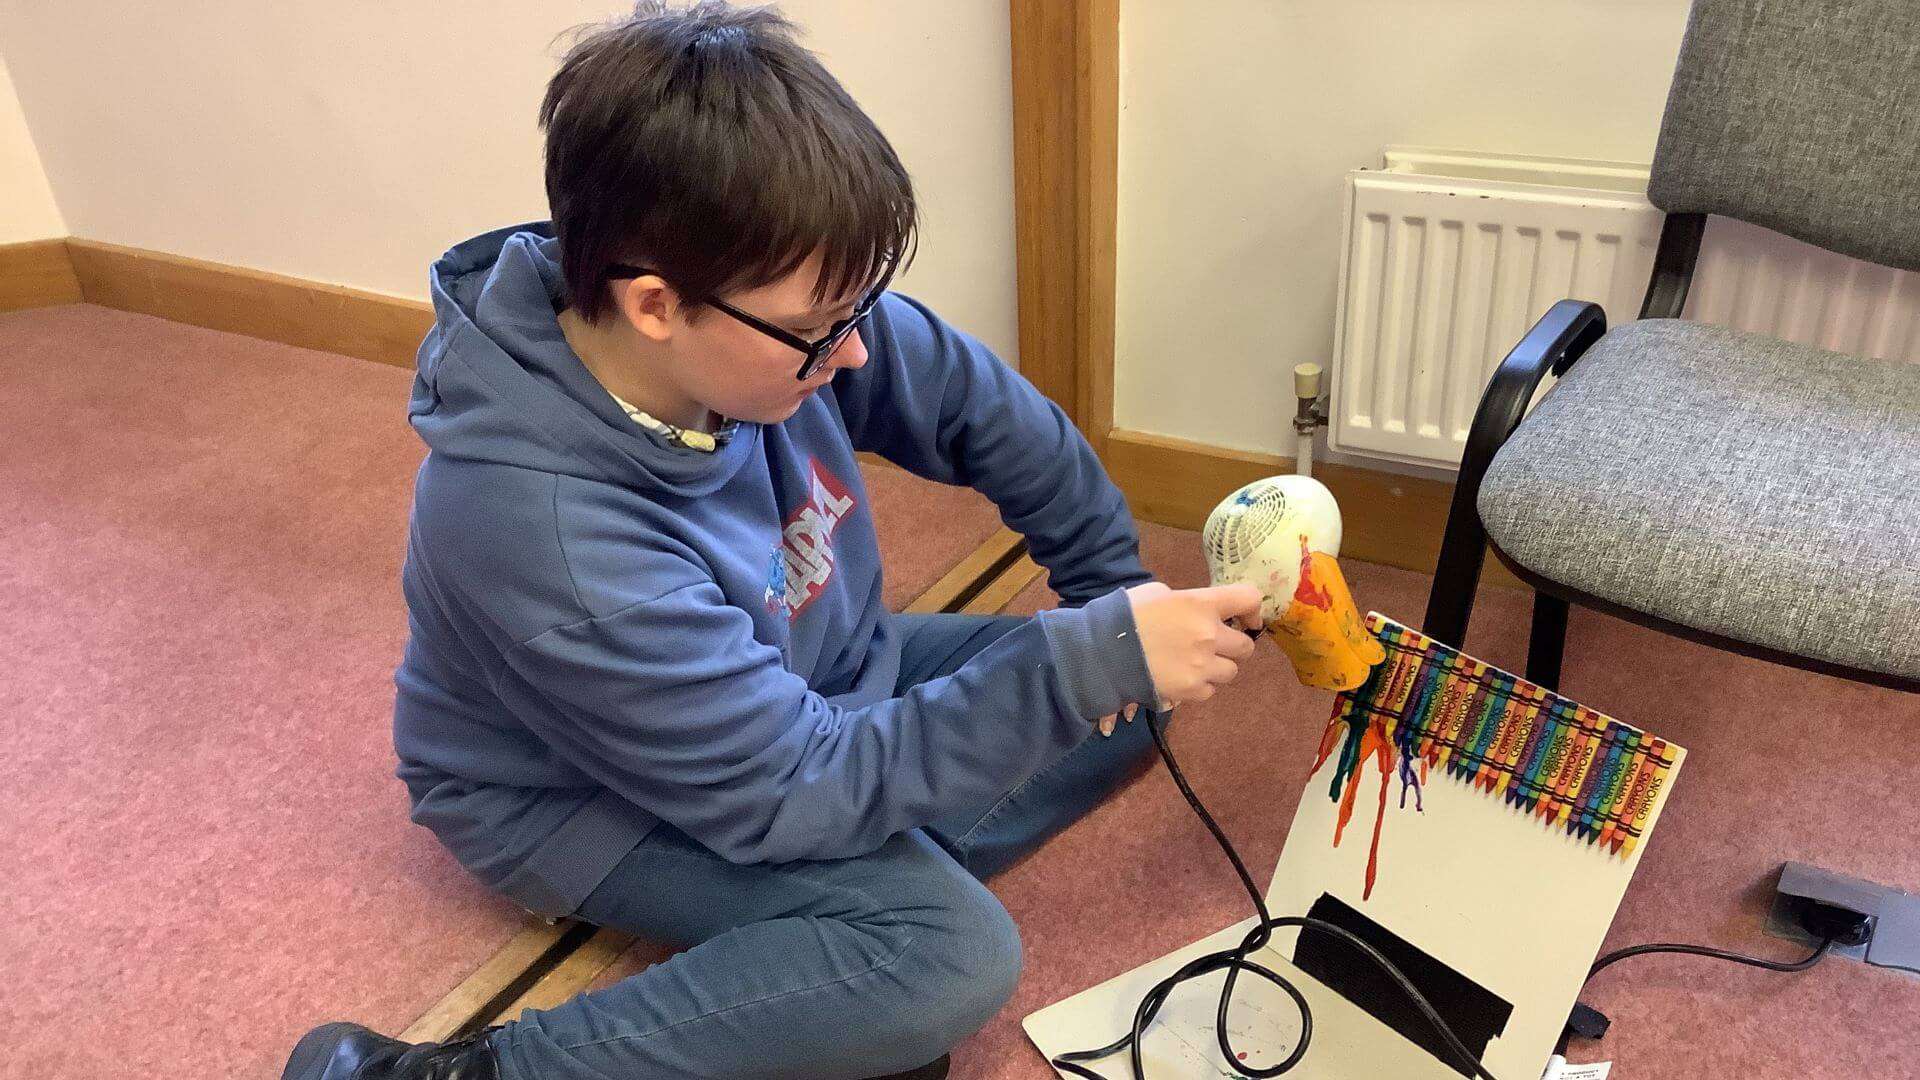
[{"x": 1321, "y": 631}]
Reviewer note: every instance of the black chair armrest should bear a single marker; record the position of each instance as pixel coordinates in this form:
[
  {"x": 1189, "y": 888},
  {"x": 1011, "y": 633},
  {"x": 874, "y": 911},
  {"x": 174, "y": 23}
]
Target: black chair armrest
[{"x": 1567, "y": 330}]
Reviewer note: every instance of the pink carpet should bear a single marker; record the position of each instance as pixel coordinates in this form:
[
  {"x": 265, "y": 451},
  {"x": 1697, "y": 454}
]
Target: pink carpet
[{"x": 206, "y": 850}]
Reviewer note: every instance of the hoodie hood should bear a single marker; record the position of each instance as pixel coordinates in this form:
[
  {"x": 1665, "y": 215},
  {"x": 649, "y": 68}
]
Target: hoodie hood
[{"x": 497, "y": 381}]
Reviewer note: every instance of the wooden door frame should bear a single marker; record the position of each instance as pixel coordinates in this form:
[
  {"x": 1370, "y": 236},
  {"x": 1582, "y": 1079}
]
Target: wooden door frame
[{"x": 1066, "y": 121}]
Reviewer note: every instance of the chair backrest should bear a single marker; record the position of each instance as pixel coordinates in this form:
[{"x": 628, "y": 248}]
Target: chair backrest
[{"x": 1801, "y": 116}]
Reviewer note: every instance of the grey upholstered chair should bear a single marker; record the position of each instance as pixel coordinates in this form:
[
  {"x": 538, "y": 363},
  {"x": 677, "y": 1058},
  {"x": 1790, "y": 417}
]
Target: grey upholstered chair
[{"x": 1731, "y": 488}]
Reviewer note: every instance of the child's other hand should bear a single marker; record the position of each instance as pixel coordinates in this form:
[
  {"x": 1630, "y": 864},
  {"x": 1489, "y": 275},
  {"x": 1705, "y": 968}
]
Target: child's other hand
[{"x": 1107, "y": 723}]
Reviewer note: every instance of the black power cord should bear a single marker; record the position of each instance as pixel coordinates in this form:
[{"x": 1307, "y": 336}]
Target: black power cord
[
  {"x": 1618, "y": 955},
  {"x": 1234, "y": 961},
  {"x": 1588, "y": 1022}
]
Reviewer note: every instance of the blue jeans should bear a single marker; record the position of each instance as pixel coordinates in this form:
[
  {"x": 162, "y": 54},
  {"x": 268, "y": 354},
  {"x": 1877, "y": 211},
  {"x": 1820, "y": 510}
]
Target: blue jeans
[{"x": 837, "y": 969}]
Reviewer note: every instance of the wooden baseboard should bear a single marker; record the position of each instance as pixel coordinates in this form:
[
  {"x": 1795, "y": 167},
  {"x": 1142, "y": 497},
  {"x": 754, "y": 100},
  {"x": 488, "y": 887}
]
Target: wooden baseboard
[
  {"x": 290, "y": 310},
  {"x": 1386, "y": 518},
  {"x": 37, "y": 273}
]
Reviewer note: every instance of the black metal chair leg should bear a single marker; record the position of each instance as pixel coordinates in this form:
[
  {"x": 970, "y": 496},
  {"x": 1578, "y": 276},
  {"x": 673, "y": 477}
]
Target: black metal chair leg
[
  {"x": 1457, "y": 576},
  {"x": 1547, "y": 640}
]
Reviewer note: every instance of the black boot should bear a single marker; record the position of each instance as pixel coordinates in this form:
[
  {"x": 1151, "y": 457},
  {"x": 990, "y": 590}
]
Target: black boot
[
  {"x": 933, "y": 1070},
  {"x": 352, "y": 1052}
]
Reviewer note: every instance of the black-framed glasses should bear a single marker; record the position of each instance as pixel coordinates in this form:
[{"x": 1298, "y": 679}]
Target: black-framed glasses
[{"x": 816, "y": 352}]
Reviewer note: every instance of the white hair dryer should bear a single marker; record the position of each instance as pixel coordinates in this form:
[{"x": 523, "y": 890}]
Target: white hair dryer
[{"x": 1282, "y": 535}]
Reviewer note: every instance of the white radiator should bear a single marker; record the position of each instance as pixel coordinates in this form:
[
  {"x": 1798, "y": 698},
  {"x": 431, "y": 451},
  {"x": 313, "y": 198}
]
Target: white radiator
[
  {"x": 1451, "y": 256},
  {"x": 1752, "y": 279}
]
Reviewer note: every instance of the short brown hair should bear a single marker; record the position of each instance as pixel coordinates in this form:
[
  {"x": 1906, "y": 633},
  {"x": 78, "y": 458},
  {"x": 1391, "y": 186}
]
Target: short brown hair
[{"x": 706, "y": 144}]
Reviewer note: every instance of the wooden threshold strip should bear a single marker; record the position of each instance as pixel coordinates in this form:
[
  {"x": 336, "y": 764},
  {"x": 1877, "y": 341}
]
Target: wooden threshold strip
[
  {"x": 956, "y": 589},
  {"x": 532, "y": 953},
  {"x": 993, "y": 598}
]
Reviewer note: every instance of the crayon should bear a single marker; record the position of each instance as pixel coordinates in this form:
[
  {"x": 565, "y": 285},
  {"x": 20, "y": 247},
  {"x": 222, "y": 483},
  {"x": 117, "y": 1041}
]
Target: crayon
[
  {"x": 1451, "y": 723},
  {"x": 1643, "y": 773},
  {"x": 1480, "y": 725},
  {"x": 1583, "y": 792},
  {"x": 1583, "y": 762},
  {"x": 1616, "y": 789},
  {"x": 1493, "y": 729},
  {"x": 1644, "y": 810},
  {"x": 1538, "y": 744},
  {"x": 1567, "y": 747},
  {"x": 1518, "y": 726},
  {"x": 1553, "y": 756},
  {"x": 1449, "y": 715},
  {"x": 1590, "y": 812}
]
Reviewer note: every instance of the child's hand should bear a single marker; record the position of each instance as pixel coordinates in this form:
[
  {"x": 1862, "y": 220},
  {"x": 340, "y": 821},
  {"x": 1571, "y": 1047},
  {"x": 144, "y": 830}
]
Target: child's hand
[
  {"x": 1190, "y": 638},
  {"x": 1107, "y": 722}
]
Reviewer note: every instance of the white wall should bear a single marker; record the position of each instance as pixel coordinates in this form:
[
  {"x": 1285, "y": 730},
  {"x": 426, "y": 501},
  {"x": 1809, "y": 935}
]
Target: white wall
[
  {"x": 27, "y": 209},
  {"x": 1239, "y": 121},
  {"x": 353, "y": 142}
]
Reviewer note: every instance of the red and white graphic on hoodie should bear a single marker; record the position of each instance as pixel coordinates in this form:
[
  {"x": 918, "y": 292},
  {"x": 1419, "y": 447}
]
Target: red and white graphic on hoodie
[{"x": 803, "y": 562}]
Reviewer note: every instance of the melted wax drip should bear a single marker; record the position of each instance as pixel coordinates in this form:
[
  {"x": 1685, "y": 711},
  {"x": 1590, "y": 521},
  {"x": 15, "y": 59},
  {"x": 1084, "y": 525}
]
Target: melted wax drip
[
  {"x": 1372, "y": 741},
  {"x": 1393, "y": 754}
]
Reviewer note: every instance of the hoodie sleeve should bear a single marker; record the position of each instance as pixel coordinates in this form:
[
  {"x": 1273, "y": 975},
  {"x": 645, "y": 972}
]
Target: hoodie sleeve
[
  {"x": 938, "y": 403},
  {"x": 674, "y": 704}
]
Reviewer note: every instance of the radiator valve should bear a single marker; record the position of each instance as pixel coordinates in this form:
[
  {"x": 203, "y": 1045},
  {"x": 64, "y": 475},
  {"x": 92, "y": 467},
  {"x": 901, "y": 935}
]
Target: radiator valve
[
  {"x": 1308, "y": 415},
  {"x": 1306, "y": 388}
]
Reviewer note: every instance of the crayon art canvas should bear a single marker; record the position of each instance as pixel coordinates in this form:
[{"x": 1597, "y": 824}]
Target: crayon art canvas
[{"x": 1477, "y": 829}]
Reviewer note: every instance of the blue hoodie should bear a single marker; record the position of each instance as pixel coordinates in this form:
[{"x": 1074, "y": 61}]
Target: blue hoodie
[{"x": 608, "y": 631}]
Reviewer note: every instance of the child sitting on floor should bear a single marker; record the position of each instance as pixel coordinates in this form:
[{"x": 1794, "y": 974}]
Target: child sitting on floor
[{"x": 650, "y": 683}]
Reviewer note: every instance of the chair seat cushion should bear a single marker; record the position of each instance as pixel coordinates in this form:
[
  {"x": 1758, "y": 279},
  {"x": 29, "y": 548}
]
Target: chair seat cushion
[{"x": 1730, "y": 482}]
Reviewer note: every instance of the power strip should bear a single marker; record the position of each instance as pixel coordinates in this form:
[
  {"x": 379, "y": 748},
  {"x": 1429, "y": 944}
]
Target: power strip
[{"x": 1810, "y": 902}]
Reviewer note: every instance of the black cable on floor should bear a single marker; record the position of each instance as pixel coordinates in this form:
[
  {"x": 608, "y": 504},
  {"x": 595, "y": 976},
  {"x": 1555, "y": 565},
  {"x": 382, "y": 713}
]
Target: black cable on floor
[
  {"x": 1599, "y": 1020},
  {"x": 1618, "y": 955}
]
